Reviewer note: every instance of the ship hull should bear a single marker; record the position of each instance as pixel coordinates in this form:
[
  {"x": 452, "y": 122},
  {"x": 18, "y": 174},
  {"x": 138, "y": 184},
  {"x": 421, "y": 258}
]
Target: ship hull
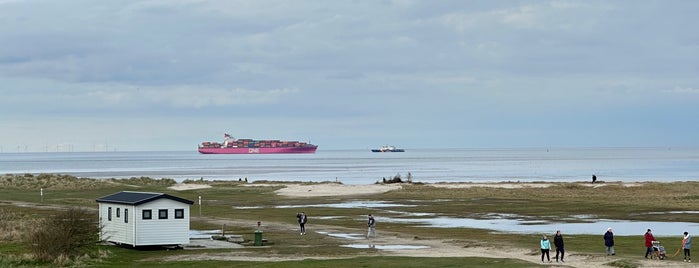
[
  {"x": 388, "y": 151},
  {"x": 245, "y": 150}
]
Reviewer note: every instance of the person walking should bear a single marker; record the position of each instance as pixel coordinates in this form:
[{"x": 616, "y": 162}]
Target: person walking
[
  {"x": 594, "y": 178},
  {"x": 609, "y": 241},
  {"x": 372, "y": 227},
  {"x": 558, "y": 242},
  {"x": 686, "y": 245},
  {"x": 302, "y": 219},
  {"x": 545, "y": 248},
  {"x": 648, "y": 237}
]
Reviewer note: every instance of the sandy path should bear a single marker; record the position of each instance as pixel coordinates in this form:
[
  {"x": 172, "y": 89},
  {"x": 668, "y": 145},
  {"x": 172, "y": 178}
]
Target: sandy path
[
  {"x": 335, "y": 189},
  {"x": 188, "y": 186},
  {"x": 309, "y": 190}
]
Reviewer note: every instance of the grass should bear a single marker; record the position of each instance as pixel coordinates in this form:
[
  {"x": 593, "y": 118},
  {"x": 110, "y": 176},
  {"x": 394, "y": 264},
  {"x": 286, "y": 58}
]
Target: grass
[
  {"x": 403, "y": 262},
  {"x": 612, "y": 201},
  {"x": 406, "y": 262}
]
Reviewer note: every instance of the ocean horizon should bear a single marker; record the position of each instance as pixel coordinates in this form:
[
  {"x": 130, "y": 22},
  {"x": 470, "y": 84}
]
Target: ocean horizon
[{"x": 364, "y": 167}]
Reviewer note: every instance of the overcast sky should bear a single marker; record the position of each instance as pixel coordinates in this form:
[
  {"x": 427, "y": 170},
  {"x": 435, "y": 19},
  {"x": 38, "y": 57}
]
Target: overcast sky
[{"x": 169, "y": 74}]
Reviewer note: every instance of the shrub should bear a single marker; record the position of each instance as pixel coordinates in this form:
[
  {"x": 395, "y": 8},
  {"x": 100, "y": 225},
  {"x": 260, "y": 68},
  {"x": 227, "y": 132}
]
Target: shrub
[
  {"x": 623, "y": 264},
  {"x": 147, "y": 181},
  {"x": 397, "y": 179},
  {"x": 67, "y": 234}
]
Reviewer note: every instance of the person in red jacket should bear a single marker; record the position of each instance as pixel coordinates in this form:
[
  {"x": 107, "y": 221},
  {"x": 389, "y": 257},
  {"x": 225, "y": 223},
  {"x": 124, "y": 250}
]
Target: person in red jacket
[{"x": 649, "y": 242}]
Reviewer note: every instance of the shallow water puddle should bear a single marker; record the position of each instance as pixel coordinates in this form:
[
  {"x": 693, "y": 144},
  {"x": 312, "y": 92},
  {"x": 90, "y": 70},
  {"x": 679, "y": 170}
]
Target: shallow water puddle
[
  {"x": 331, "y": 217},
  {"x": 513, "y": 224},
  {"x": 344, "y": 235},
  {"x": 352, "y": 204},
  {"x": 385, "y": 247},
  {"x": 411, "y": 214},
  {"x": 203, "y": 234},
  {"x": 249, "y": 207},
  {"x": 671, "y": 212}
]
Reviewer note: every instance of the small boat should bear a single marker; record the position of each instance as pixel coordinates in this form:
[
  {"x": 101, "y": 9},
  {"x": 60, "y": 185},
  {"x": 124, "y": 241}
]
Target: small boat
[{"x": 387, "y": 148}]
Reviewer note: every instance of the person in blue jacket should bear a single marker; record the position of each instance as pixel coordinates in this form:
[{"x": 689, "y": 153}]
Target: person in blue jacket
[
  {"x": 609, "y": 241},
  {"x": 545, "y": 248}
]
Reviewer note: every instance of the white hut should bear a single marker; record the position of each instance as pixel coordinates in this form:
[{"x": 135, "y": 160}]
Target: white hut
[{"x": 144, "y": 219}]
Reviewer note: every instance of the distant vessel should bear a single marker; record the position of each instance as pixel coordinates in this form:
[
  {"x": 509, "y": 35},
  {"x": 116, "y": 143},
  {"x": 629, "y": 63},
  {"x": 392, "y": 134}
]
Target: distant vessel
[
  {"x": 231, "y": 145},
  {"x": 387, "y": 148}
]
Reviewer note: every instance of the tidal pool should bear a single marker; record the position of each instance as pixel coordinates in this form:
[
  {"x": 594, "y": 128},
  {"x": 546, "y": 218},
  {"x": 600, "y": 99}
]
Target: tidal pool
[
  {"x": 352, "y": 204},
  {"x": 512, "y": 224},
  {"x": 249, "y": 207},
  {"x": 203, "y": 234},
  {"x": 411, "y": 214},
  {"x": 385, "y": 247},
  {"x": 344, "y": 235}
]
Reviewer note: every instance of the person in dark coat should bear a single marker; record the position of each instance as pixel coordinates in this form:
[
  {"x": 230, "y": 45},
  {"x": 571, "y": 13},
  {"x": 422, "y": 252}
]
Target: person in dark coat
[
  {"x": 558, "y": 242},
  {"x": 609, "y": 241},
  {"x": 594, "y": 178},
  {"x": 302, "y": 219},
  {"x": 372, "y": 227}
]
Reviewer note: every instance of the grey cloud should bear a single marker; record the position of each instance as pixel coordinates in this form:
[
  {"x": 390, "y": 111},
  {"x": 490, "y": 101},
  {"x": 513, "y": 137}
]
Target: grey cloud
[{"x": 443, "y": 67}]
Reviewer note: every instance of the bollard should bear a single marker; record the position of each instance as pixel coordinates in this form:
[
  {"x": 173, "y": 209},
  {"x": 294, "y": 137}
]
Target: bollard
[{"x": 258, "y": 238}]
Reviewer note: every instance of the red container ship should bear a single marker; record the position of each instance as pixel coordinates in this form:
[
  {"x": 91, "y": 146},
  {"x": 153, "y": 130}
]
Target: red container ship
[{"x": 231, "y": 145}]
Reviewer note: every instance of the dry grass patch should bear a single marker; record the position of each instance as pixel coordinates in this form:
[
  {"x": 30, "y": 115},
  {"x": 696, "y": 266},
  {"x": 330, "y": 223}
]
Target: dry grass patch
[
  {"x": 53, "y": 181},
  {"x": 14, "y": 225},
  {"x": 68, "y": 182}
]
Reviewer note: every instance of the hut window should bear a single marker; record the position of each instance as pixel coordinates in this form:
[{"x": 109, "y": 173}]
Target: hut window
[
  {"x": 126, "y": 215},
  {"x": 118, "y": 210},
  {"x": 179, "y": 213},
  {"x": 147, "y": 214},
  {"x": 162, "y": 214},
  {"x": 109, "y": 213}
]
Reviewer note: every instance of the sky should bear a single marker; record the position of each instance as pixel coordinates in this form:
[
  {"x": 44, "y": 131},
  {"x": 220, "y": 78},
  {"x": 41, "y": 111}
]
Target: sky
[{"x": 166, "y": 75}]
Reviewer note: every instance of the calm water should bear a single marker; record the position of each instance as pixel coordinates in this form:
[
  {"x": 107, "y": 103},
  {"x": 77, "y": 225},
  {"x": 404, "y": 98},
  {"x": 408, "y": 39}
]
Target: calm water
[{"x": 363, "y": 166}]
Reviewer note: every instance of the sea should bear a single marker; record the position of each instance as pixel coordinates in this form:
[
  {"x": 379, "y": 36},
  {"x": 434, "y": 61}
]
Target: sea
[
  {"x": 418, "y": 165},
  {"x": 365, "y": 167}
]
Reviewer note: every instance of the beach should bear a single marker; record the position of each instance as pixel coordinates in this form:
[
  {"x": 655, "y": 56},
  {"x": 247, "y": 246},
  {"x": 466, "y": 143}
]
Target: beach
[{"x": 337, "y": 189}]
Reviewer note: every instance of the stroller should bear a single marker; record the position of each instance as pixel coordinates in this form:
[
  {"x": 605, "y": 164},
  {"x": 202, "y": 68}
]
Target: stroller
[{"x": 658, "y": 251}]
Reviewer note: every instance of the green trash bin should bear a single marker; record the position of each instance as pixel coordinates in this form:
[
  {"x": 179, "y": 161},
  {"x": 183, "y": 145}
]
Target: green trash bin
[{"x": 258, "y": 238}]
